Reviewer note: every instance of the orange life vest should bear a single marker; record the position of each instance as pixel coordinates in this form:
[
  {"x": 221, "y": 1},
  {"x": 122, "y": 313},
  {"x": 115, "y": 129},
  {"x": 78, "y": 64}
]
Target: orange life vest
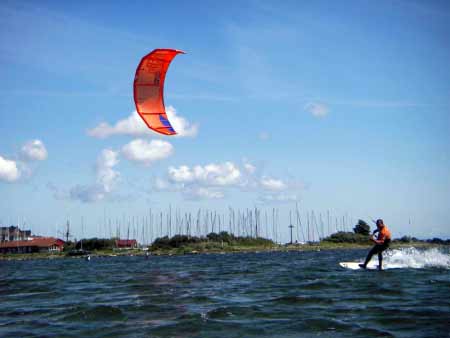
[{"x": 384, "y": 234}]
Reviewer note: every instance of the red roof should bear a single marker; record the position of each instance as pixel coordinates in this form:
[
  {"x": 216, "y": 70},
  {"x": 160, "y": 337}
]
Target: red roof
[
  {"x": 41, "y": 242},
  {"x": 126, "y": 242}
]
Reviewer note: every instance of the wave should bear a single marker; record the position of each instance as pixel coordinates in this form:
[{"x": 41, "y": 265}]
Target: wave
[{"x": 415, "y": 259}]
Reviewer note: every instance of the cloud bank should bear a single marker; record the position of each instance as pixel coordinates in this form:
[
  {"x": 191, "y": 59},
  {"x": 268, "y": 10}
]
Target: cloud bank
[
  {"x": 214, "y": 180},
  {"x": 209, "y": 175},
  {"x": 134, "y": 126},
  {"x": 106, "y": 174}
]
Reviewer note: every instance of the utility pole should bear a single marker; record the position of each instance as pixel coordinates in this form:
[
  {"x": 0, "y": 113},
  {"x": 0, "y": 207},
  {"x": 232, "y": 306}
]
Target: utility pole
[
  {"x": 68, "y": 231},
  {"x": 290, "y": 223},
  {"x": 256, "y": 222}
]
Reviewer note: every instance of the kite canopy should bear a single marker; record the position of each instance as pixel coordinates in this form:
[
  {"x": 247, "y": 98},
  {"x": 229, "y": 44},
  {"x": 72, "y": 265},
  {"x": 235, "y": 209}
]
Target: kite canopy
[{"x": 148, "y": 89}]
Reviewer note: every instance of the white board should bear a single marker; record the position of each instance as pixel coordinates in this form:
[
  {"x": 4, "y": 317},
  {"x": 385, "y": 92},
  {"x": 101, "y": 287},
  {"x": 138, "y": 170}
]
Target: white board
[{"x": 355, "y": 265}]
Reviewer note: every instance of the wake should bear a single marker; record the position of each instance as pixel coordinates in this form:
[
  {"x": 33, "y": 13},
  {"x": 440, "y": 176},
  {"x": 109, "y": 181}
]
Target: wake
[{"x": 413, "y": 258}]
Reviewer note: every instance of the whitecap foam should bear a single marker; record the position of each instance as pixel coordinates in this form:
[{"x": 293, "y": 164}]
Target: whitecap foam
[{"x": 414, "y": 258}]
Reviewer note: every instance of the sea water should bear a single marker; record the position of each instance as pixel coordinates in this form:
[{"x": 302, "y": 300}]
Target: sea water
[{"x": 290, "y": 294}]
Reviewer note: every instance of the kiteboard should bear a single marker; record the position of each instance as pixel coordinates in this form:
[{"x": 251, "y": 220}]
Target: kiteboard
[{"x": 355, "y": 265}]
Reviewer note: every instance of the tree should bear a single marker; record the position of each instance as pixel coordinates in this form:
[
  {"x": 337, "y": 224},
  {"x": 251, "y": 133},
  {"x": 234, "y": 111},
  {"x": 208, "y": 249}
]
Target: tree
[
  {"x": 405, "y": 239},
  {"x": 347, "y": 237},
  {"x": 362, "y": 228}
]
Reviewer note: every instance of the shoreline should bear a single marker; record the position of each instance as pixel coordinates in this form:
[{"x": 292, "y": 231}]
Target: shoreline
[{"x": 327, "y": 246}]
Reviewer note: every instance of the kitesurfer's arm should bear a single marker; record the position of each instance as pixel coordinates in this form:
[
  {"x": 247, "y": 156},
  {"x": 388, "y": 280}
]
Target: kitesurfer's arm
[
  {"x": 383, "y": 234},
  {"x": 378, "y": 241},
  {"x": 373, "y": 237}
]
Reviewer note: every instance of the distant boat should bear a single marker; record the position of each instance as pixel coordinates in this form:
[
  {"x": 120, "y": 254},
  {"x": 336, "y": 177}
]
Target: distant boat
[{"x": 78, "y": 252}]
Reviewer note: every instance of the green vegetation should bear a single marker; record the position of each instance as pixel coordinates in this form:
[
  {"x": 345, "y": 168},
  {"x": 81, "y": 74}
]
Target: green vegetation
[
  {"x": 362, "y": 228},
  {"x": 213, "y": 242},
  {"x": 96, "y": 247},
  {"x": 91, "y": 244},
  {"x": 347, "y": 237},
  {"x": 360, "y": 235},
  {"x": 408, "y": 239}
]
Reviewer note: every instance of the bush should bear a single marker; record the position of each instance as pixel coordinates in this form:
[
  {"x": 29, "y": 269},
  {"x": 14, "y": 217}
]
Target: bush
[
  {"x": 436, "y": 241},
  {"x": 180, "y": 241},
  {"x": 251, "y": 241},
  {"x": 68, "y": 246},
  {"x": 161, "y": 243},
  {"x": 96, "y": 244},
  {"x": 226, "y": 237},
  {"x": 223, "y": 236},
  {"x": 212, "y": 236},
  {"x": 405, "y": 239},
  {"x": 362, "y": 228},
  {"x": 347, "y": 237}
]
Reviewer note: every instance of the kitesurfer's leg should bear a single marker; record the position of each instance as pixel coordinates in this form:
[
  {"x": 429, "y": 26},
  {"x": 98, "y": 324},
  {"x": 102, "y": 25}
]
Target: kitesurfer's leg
[
  {"x": 380, "y": 260},
  {"x": 373, "y": 251},
  {"x": 383, "y": 248}
]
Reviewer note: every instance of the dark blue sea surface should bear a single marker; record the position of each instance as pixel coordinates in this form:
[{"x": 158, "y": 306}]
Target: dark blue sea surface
[{"x": 291, "y": 294}]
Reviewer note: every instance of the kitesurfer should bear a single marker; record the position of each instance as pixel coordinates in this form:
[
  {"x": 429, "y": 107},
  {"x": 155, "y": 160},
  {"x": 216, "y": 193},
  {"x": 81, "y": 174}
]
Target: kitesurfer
[{"x": 381, "y": 243}]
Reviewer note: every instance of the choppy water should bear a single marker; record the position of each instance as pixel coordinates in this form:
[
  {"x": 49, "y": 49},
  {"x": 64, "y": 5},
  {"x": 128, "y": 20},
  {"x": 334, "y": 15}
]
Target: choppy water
[{"x": 295, "y": 294}]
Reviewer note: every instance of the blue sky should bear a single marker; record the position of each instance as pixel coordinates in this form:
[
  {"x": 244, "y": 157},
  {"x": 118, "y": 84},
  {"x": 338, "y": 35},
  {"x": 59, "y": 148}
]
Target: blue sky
[{"x": 340, "y": 107}]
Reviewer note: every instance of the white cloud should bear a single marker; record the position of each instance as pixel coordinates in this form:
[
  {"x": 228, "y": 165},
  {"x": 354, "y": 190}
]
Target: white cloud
[
  {"x": 317, "y": 109},
  {"x": 279, "y": 198},
  {"x": 106, "y": 180},
  {"x": 34, "y": 150},
  {"x": 9, "y": 171},
  {"x": 213, "y": 181},
  {"x": 106, "y": 175},
  {"x": 140, "y": 150},
  {"x": 182, "y": 126},
  {"x": 197, "y": 193},
  {"x": 133, "y": 125},
  {"x": 272, "y": 184},
  {"x": 249, "y": 168},
  {"x": 201, "y": 182},
  {"x": 182, "y": 174},
  {"x": 221, "y": 174}
]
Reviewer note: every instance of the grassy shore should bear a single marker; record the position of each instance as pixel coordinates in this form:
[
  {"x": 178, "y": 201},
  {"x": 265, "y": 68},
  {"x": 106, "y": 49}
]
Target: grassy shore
[
  {"x": 215, "y": 248},
  {"x": 58, "y": 255}
]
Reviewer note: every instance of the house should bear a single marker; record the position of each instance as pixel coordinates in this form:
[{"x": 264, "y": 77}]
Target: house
[
  {"x": 13, "y": 233},
  {"x": 126, "y": 243},
  {"x": 35, "y": 244}
]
